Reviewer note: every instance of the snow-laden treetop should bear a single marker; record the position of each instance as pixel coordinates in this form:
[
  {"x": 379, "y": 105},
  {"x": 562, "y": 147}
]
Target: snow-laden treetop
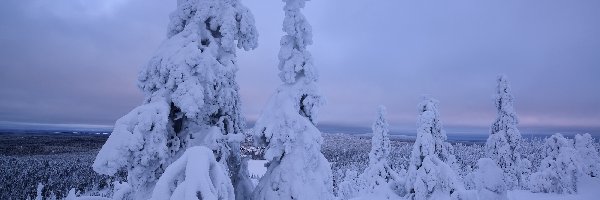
[
  {"x": 296, "y": 69},
  {"x": 428, "y": 132},
  {"x": 226, "y": 19},
  {"x": 504, "y": 100},
  {"x": 291, "y": 111},
  {"x": 202, "y": 39},
  {"x": 429, "y": 122},
  {"x": 294, "y": 60}
]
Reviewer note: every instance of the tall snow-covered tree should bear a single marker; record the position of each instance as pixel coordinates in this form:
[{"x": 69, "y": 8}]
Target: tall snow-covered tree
[
  {"x": 296, "y": 167},
  {"x": 380, "y": 141},
  {"x": 191, "y": 97},
  {"x": 379, "y": 179},
  {"x": 429, "y": 176},
  {"x": 560, "y": 169},
  {"x": 584, "y": 144},
  {"x": 504, "y": 143}
]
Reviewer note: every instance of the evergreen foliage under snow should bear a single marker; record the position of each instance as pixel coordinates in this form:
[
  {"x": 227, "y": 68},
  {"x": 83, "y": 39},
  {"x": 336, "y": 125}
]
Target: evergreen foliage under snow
[
  {"x": 191, "y": 97},
  {"x": 296, "y": 167},
  {"x": 504, "y": 142},
  {"x": 560, "y": 170},
  {"x": 379, "y": 179},
  {"x": 429, "y": 176},
  {"x": 590, "y": 164}
]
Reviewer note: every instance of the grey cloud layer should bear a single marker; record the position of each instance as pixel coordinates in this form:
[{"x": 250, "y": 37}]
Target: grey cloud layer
[{"x": 73, "y": 62}]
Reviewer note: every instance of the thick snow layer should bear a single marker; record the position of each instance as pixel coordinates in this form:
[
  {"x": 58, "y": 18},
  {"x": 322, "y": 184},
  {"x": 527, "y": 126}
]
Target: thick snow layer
[
  {"x": 73, "y": 196},
  {"x": 379, "y": 193},
  {"x": 489, "y": 180},
  {"x": 195, "y": 175},
  {"x": 138, "y": 142},
  {"x": 257, "y": 168},
  {"x": 381, "y": 180},
  {"x": 121, "y": 190},
  {"x": 588, "y": 189}
]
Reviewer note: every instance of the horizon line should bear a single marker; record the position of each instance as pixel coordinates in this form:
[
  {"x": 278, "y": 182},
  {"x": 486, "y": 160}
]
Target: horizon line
[{"x": 330, "y": 126}]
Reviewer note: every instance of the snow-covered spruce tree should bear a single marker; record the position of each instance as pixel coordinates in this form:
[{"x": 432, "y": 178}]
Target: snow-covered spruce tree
[
  {"x": 429, "y": 176},
  {"x": 380, "y": 141},
  {"x": 504, "y": 143},
  {"x": 584, "y": 144},
  {"x": 296, "y": 167},
  {"x": 379, "y": 179},
  {"x": 560, "y": 169},
  {"x": 191, "y": 97}
]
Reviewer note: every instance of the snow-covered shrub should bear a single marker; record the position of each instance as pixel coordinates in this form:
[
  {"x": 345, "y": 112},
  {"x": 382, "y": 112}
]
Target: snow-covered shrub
[
  {"x": 429, "y": 177},
  {"x": 296, "y": 167},
  {"x": 489, "y": 180},
  {"x": 584, "y": 144},
  {"x": 195, "y": 175},
  {"x": 504, "y": 142},
  {"x": 191, "y": 97},
  {"x": 560, "y": 168}
]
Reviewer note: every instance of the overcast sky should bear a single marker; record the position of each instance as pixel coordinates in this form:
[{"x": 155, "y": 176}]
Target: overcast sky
[{"x": 76, "y": 61}]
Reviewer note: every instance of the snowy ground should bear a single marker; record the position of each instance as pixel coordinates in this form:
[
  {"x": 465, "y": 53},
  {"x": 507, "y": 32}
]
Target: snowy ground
[{"x": 589, "y": 188}]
